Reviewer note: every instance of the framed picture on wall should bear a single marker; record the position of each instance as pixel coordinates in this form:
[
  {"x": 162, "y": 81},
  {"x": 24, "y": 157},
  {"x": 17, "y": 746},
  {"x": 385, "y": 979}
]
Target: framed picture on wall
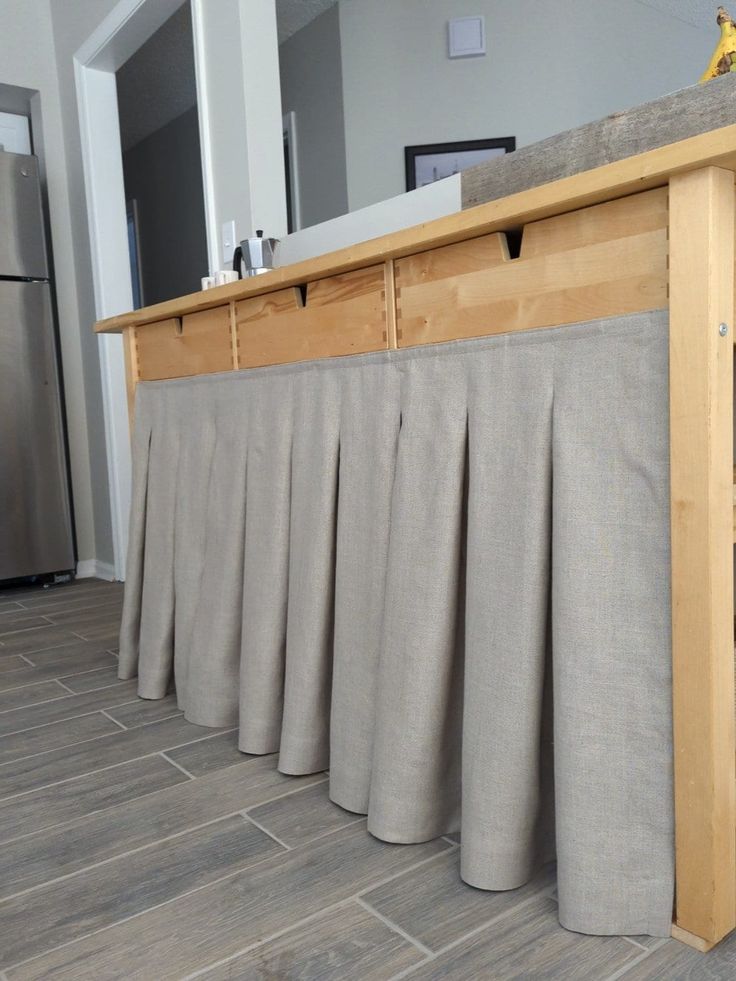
[{"x": 435, "y": 161}]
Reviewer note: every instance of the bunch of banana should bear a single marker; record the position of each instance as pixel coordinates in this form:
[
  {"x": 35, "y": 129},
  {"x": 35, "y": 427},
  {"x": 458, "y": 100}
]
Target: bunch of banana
[{"x": 724, "y": 57}]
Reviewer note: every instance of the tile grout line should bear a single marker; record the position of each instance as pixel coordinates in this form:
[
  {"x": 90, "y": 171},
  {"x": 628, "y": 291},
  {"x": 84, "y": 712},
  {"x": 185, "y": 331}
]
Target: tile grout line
[
  {"x": 70, "y": 718},
  {"x": 67, "y": 674},
  {"x": 374, "y": 885},
  {"x": 86, "y": 691},
  {"x": 545, "y": 891},
  {"x": 634, "y": 943},
  {"x": 108, "y": 716},
  {"x": 111, "y": 766},
  {"x": 71, "y": 822},
  {"x": 32, "y": 756},
  {"x": 152, "y": 844},
  {"x": 395, "y": 928},
  {"x": 157, "y": 906},
  {"x": 70, "y": 642},
  {"x": 177, "y": 765},
  {"x": 65, "y": 687},
  {"x": 32, "y": 705},
  {"x": 634, "y": 962},
  {"x": 44, "y": 701},
  {"x": 307, "y": 919},
  {"x": 257, "y": 824}
]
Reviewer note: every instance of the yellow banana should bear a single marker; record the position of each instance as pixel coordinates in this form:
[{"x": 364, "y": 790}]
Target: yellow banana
[{"x": 724, "y": 55}]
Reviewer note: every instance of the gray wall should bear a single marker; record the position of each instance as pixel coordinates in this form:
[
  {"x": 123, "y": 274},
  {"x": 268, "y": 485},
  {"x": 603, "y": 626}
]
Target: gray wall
[
  {"x": 550, "y": 66},
  {"x": 163, "y": 173},
  {"x": 311, "y": 86}
]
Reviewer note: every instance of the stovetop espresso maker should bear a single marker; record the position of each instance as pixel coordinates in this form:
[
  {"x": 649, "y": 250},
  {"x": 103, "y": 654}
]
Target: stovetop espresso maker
[{"x": 256, "y": 253}]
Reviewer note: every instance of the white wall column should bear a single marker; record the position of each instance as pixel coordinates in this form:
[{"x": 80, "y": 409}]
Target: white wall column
[
  {"x": 263, "y": 116},
  {"x": 239, "y": 97}
]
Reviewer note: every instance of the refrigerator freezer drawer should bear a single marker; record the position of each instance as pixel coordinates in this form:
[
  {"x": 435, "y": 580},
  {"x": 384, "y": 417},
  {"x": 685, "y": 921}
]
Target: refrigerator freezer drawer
[
  {"x": 22, "y": 245},
  {"x": 35, "y": 524}
]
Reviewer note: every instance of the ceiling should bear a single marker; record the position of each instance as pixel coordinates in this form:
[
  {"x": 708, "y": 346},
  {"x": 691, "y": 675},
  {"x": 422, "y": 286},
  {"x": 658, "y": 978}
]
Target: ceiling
[
  {"x": 292, "y": 15},
  {"x": 157, "y": 83}
]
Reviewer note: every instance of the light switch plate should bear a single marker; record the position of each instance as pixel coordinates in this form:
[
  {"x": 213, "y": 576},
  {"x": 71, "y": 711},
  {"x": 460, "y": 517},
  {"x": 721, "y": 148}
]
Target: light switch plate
[
  {"x": 228, "y": 240},
  {"x": 466, "y": 37}
]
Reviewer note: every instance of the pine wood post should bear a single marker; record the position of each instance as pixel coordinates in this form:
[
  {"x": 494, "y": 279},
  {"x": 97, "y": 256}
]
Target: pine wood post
[{"x": 701, "y": 250}]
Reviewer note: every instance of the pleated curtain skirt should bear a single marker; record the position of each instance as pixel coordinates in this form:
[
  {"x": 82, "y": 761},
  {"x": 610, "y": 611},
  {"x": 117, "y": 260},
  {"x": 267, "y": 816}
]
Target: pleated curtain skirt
[{"x": 443, "y": 573}]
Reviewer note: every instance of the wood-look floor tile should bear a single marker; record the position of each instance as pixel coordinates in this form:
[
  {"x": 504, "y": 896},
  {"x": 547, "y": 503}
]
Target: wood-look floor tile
[
  {"x": 35, "y": 922},
  {"x": 218, "y": 752},
  {"x": 95, "y": 792},
  {"x": 48, "y": 605},
  {"x": 118, "y": 747},
  {"x": 65, "y": 708},
  {"x": 53, "y": 852},
  {"x": 20, "y": 620},
  {"x": 12, "y": 663},
  {"x": 77, "y": 618},
  {"x": 20, "y": 698},
  {"x": 30, "y": 742},
  {"x": 195, "y": 931},
  {"x": 529, "y": 943},
  {"x": 77, "y": 588},
  {"x": 105, "y": 632},
  {"x": 56, "y": 655},
  {"x": 344, "y": 943},
  {"x": 36, "y": 639},
  {"x": 58, "y": 668},
  {"x": 144, "y": 711},
  {"x": 91, "y": 680},
  {"x": 434, "y": 906},
  {"x": 673, "y": 961},
  {"x": 301, "y": 817}
]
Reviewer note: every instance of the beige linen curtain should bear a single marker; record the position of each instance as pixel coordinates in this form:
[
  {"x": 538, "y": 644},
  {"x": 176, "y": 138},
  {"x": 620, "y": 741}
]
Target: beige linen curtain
[{"x": 443, "y": 573}]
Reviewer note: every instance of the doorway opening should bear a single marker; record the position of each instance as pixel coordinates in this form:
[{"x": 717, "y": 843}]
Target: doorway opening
[{"x": 162, "y": 163}]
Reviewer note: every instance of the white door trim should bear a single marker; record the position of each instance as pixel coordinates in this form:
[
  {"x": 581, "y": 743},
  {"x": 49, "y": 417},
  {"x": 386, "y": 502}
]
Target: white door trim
[{"x": 121, "y": 33}]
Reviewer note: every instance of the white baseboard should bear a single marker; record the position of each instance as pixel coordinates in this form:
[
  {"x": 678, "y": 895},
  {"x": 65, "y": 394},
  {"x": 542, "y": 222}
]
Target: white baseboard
[{"x": 92, "y": 569}]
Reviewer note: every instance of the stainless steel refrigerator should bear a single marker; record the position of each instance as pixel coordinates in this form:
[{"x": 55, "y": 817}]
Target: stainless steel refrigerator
[{"x": 35, "y": 518}]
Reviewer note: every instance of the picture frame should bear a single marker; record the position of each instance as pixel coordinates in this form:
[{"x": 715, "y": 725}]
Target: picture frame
[{"x": 431, "y": 162}]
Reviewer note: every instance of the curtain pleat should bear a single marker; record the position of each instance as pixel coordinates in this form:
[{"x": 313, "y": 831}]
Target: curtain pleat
[
  {"x": 157, "y": 603},
  {"x": 369, "y": 432},
  {"x": 415, "y": 787},
  {"x": 266, "y": 565},
  {"x": 611, "y": 629},
  {"x": 315, "y": 458},
  {"x": 130, "y": 626},
  {"x": 443, "y": 573},
  {"x": 197, "y": 446},
  {"x": 506, "y": 613}
]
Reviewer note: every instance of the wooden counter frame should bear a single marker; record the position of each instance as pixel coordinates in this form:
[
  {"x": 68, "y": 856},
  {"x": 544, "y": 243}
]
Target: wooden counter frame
[{"x": 697, "y": 177}]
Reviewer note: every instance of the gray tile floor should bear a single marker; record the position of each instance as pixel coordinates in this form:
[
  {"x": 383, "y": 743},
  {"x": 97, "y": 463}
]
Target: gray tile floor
[{"x": 134, "y": 844}]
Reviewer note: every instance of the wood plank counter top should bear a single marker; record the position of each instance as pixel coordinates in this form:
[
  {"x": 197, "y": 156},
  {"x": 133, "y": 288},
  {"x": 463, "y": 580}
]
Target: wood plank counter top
[{"x": 624, "y": 177}]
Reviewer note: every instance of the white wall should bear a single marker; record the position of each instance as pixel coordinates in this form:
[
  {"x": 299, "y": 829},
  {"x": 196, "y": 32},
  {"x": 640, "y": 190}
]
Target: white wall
[
  {"x": 311, "y": 87},
  {"x": 550, "y": 66},
  {"x": 240, "y": 107},
  {"x": 28, "y": 59}
]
